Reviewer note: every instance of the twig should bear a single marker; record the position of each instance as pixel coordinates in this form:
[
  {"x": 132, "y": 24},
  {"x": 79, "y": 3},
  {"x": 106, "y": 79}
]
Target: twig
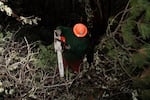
[
  {"x": 120, "y": 63},
  {"x": 58, "y": 85},
  {"x": 123, "y": 16}
]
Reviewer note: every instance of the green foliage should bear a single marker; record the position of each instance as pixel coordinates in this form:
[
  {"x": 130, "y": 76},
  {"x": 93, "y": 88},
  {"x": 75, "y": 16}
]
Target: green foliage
[
  {"x": 144, "y": 85},
  {"x": 144, "y": 30},
  {"x": 136, "y": 31},
  {"x": 127, "y": 31},
  {"x": 136, "y": 34},
  {"x": 142, "y": 57},
  {"x": 138, "y": 19},
  {"x": 7, "y": 36},
  {"x": 147, "y": 15},
  {"x": 46, "y": 57},
  {"x": 129, "y": 48}
]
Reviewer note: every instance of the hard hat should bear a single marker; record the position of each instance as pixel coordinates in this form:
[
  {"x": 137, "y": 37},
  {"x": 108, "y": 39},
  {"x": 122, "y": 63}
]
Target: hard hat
[{"x": 80, "y": 30}]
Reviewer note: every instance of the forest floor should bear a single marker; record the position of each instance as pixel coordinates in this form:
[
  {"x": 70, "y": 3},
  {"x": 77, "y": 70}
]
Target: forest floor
[{"x": 30, "y": 73}]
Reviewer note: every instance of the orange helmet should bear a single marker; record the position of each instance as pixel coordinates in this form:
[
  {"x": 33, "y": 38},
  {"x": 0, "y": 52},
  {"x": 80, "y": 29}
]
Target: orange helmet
[{"x": 80, "y": 30}]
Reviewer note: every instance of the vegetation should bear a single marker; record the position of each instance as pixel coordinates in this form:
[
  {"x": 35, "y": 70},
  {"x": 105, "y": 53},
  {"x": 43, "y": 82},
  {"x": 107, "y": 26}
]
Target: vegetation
[
  {"x": 128, "y": 45},
  {"x": 120, "y": 71}
]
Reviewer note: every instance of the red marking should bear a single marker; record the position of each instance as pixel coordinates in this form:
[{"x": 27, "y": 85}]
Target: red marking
[{"x": 63, "y": 39}]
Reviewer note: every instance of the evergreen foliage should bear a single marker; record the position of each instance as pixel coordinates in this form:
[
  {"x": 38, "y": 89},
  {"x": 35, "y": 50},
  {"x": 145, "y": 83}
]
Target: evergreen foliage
[
  {"x": 130, "y": 44},
  {"x": 136, "y": 31},
  {"x": 47, "y": 57}
]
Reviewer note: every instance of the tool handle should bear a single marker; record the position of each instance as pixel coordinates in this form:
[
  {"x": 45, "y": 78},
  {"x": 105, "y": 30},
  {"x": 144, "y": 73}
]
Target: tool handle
[{"x": 58, "y": 49}]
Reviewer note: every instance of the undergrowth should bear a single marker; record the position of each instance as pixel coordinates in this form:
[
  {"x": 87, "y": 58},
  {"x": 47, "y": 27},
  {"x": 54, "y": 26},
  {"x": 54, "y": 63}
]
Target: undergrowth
[{"x": 120, "y": 71}]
